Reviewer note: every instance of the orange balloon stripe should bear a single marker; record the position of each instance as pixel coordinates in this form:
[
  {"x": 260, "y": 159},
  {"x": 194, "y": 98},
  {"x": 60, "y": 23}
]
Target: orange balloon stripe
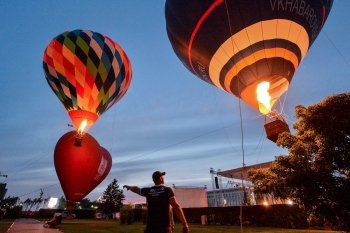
[
  {"x": 254, "y": 57},
  {"x": 287, "y": 30}
]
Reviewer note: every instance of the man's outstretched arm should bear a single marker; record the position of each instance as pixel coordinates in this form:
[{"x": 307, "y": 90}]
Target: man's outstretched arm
[{"x": 134, "y": 189}]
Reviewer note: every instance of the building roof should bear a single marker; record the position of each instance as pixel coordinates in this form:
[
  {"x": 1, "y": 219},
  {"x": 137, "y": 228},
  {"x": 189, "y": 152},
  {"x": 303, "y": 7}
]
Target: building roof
[{"x": 237, "y": 173}]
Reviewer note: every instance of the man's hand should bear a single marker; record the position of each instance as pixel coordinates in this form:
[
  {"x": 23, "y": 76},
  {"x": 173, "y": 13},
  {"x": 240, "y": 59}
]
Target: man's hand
[
  {"x": 185, "y": 229},
  {"x": 134, "y": 189}
]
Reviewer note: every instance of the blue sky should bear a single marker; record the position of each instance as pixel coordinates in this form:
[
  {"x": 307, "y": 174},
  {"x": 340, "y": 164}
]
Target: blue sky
[{"x": 168, "y": 120}]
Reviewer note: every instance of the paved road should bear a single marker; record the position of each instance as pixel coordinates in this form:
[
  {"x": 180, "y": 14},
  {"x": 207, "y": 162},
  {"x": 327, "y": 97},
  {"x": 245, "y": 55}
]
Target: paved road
[{"x": 28, "y": 225}]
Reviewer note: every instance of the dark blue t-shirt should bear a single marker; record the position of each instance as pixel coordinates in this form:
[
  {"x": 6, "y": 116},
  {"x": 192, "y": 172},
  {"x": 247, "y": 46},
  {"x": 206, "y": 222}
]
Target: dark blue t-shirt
[{"x": 158, "y": 204}]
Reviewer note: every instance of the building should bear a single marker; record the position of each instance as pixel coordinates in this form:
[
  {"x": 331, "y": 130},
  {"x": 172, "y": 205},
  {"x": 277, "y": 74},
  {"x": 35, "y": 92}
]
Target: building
[
  {"x": 230, "y": 197},
  {"x": 241, "y": 190},
  {"x": 237, "y": 193},
  {"x": 191, "y": 197}
]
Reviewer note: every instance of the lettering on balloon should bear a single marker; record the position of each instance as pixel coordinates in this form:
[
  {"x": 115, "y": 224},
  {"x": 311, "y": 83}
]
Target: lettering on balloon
[
  {"x": 299, "y": 7},
  {"x": 101, "y": 168},
  {"x": 203, "y": 72}
]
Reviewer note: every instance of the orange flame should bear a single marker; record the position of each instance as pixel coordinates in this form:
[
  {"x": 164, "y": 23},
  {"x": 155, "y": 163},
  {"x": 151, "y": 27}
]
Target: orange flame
[
  {"x": 264, "y": 98},
  {"x": 82, "y": 126}
]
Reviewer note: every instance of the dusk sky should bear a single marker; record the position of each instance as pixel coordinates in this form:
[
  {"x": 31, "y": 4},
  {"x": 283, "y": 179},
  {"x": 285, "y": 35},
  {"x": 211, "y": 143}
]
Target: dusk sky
[{"x": 168, "y": 120}]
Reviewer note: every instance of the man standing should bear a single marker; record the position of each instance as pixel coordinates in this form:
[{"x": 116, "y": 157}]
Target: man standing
[{"x": 159, "y": 198}]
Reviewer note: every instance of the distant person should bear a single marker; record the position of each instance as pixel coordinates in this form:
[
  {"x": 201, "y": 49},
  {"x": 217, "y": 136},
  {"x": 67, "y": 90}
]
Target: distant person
[
  {"x": 56, "y": 220},
  {"x": 160, "y": 199},
  {"x": 2, "y": 213}
]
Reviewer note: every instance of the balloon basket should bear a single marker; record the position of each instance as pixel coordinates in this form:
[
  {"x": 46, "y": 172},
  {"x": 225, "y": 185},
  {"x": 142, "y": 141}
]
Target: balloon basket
[
  {"x": 78, "y": 139},
  {"x": 275, "y": 126}
]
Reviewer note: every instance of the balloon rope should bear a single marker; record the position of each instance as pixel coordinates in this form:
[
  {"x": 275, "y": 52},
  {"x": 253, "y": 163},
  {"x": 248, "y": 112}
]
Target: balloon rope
[
  {"x": 283, "y": 103},
  {"x": 243, "y": 166},
  {"x": 241, "y": 127},
  {"x": 336, "y": 48}
]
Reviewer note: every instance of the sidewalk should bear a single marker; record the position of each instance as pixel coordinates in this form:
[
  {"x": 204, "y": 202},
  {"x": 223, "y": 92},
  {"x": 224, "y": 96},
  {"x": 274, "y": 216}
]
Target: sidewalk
[{"x": 28, "y": 225}]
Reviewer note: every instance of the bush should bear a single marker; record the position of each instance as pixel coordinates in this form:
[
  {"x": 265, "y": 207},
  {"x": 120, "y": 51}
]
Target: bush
[
  {"x": 127, "y": 215},
  {"x": 14, "y": 212},
  {"x": 273, "y": 216}
]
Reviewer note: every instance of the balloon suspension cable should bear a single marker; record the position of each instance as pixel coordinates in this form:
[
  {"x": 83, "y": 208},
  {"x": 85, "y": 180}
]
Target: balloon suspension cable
[
  {"x": 274, "y": 115},
  {"x": 79, "y": 138},
  {"x": 241, "y": 127}
]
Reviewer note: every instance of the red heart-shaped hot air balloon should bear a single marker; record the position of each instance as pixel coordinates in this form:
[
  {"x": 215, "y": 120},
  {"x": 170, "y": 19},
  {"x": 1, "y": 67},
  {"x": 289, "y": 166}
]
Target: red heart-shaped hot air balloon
[{"x": 80, "y": 164}]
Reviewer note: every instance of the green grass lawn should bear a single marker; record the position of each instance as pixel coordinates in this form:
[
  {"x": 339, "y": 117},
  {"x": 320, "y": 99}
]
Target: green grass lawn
[
  {"x": 107, "y": 226},
  {"x": 5, "y": 224}
]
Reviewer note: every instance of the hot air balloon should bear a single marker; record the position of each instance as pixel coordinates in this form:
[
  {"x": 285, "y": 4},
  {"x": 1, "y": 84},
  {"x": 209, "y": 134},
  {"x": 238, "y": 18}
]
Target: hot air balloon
[
  {"x": 80, "y": 168},
  {"x": 88, "y": 72},
  {"x": 249, "y": 48}
]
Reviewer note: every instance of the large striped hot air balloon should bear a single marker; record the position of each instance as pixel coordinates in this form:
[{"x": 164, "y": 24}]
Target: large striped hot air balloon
[
  {"x": 88, "y": 72},
  {"x": 245, "y": 46}
]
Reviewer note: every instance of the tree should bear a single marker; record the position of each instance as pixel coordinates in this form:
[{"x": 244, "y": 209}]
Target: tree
[
  {"x": 85, "y": 203},
  {"x": 39, "y": 200},
  {"x": 9, "y": 202},
  {"x": 315, "y": 173},
  {"x": 62, "y": 202},
  {"x": 112, "y": 198},
  {"x": 27, "y": 203}
]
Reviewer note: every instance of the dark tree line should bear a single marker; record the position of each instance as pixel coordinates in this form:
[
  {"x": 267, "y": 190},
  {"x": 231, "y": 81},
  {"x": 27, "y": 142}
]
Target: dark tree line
[{"x": 110, "y": 202}]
